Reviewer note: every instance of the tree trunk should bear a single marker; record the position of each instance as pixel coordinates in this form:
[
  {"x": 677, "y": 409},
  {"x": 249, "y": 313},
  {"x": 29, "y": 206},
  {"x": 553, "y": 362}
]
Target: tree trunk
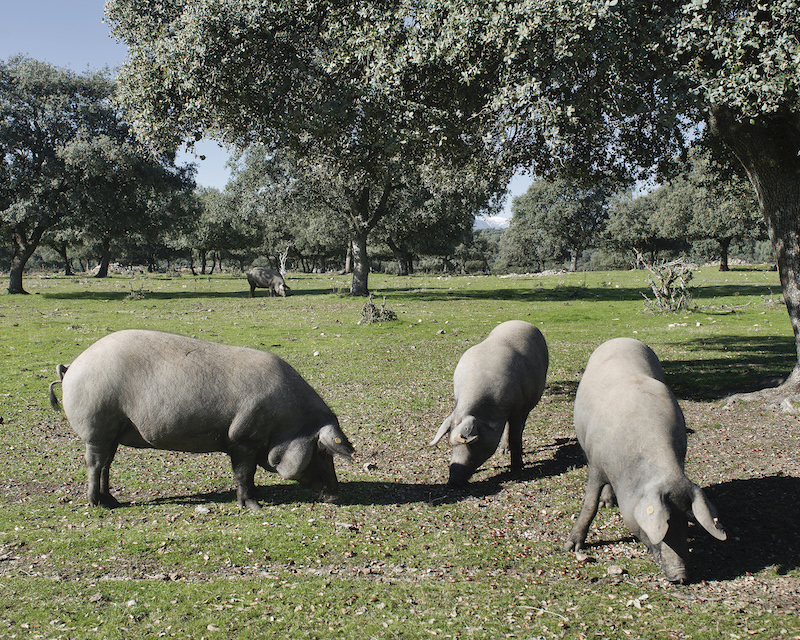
[
  {"x": 768, "y": 153},
  {"x": 62, "y": 251},
  {"x": 15, "y": 277},
  {"x": 573, "y": 260},
  {"x": 724, "y": 245},
  {"x": 348, "y": 259},
  {"x": 105, "y": 258},
  {"x": 23, "y": 250},
  {"x": 358, "y": 286}
]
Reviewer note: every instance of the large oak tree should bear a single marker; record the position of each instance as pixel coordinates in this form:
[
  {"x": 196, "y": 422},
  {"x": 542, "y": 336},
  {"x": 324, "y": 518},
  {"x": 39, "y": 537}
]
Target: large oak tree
[
  {"x": 615, "y": 86},
  {"x": 284, "y": 75}
]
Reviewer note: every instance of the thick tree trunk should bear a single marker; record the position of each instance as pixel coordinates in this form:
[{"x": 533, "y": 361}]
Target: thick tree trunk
[
  {"x": 573, "y": 260},
  {"x": 62, "y": 251},
  {"x": 724, "y": 245},
  {"x": 769, "y": 154},
  {"x": 15, "y": 277},
  {"x": 359, "y": 283},
  {"x": 105, "y": 259},
  {"x": 23, "y": 250}
]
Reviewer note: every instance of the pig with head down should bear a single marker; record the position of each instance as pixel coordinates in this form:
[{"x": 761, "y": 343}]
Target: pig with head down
[
  {"x": 496, "y": 384},
  {"x": 263, "y": 278},
  {"x": 149, "y": 389},
  {"x": 634, "y": 436}
]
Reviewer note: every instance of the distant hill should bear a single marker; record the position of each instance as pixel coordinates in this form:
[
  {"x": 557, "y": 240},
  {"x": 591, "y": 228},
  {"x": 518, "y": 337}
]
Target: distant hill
[{"x": 491, "y": 222}]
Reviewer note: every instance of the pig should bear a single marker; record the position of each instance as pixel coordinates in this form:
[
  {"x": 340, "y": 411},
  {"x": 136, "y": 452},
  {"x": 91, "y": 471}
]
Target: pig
[
  {"x": 267, "y": 279},
  {"x": 496, "y": 384},
  {"x": 149, "y": 389},
  {"x": 634, "y": 436}
]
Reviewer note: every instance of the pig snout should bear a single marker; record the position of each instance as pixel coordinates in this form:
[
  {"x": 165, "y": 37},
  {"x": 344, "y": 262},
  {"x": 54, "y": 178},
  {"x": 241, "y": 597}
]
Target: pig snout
[{"x": 672, "y": 553}]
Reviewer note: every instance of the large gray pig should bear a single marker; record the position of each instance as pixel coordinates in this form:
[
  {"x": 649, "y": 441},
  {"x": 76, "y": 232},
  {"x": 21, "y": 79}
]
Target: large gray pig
[
  {"x": 267, "y": 279},
  {"x": 496, "y": 384},
  {"x": 634, "y": 436},
  {"x": 149, "y": 389}
]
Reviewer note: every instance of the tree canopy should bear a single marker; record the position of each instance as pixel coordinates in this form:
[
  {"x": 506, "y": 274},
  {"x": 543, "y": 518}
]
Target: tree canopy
[
  {"x": 274, "y": 73},
  {"x": 69, "y": 161},
  {"x": 615, "y": 87},
  {"x": 578, "y": 87}
]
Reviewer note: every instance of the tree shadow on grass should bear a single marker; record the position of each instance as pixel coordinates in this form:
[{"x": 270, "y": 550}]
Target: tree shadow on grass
[
  {"x": 757, "y": 362},
  {"x": 761, "y": 517},
  {"x": 121, "y": 296}
]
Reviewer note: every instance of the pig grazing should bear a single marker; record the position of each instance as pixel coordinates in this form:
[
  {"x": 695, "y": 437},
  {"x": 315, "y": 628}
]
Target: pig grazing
[
  {"x": 156, "y": 390},
  {"x": 267, "y": 279},
  {"x": 634, "y": 436},
  {"x": 496, "y": 383}
]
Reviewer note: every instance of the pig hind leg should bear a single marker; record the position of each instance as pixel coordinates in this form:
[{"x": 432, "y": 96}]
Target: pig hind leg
[
  {"x": 514, "y": 439},
  {"x": 98, "y": 462},
  {"x": 243, "y": 461}
]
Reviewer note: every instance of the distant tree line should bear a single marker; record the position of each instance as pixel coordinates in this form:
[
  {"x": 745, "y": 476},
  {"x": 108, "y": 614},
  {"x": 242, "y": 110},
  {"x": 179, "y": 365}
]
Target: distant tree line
[
  {"x": 79, "y": 186},
  {"x": 706, "y": 211}
]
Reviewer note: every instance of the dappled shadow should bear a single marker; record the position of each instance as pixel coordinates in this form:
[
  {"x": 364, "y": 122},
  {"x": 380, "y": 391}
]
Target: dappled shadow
[
  {"x": 761, "y": 517},
  {"x": 755, "y": 361},
  {"x": 120, "y": 296},
  {"x": 520, "y": 294}
]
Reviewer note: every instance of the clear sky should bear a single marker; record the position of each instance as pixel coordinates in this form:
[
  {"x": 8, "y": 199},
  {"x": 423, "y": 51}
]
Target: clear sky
[{"x": 72, "y": 33}]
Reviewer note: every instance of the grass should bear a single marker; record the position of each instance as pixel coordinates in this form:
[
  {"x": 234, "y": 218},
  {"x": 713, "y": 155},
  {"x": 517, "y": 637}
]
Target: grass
[{"x": 400, "y": 555}]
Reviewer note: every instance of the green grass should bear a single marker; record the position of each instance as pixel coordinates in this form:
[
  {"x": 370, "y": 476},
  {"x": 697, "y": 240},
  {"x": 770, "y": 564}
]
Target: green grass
[{"x": 400, "y": 556}]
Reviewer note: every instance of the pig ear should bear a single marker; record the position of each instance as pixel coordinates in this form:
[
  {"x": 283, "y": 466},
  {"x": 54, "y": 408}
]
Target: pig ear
[
  {"x": 465, "y": 432},
  {"x": 334, "y": 441},
  {"x": 652, "y": 516},
  {"x": 442, "y": 430},
  {"x": 706, "y": 514}
]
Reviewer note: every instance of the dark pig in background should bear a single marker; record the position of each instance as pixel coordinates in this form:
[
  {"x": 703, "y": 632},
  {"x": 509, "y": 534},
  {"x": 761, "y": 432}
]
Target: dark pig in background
[
  {"x": 634, "y": 435},
  {"x": 263, "y": 278},
  {"x": 149, "y": 389},
  {"x": 496, "y": 383}
]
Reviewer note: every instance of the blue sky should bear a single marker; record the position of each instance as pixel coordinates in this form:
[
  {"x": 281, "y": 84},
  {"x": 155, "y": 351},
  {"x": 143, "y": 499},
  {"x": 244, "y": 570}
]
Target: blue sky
[{"x": 71, "y": 33}]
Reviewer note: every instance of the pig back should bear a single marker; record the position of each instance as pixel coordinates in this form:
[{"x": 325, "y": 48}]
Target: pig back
[
  {"x": 506, "y": 369},
  {"x": 181, "y": 393},
  {"x": 625, "y": 412}
]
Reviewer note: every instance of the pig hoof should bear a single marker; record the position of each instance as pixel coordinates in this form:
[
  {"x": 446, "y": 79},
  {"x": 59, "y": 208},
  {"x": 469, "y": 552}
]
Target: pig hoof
[
  {"x": 252, "y": 505},
  {"x": 107, "y": 501}
]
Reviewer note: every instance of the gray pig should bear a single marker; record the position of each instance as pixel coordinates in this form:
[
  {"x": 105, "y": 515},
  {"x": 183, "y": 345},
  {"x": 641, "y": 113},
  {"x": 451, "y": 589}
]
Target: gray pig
[
  {"x": 633, "y": 433},
  {"x": 264, "y": 278},
  {"x": 496, "y": 384},
  {"x": 148, "y": 389}
]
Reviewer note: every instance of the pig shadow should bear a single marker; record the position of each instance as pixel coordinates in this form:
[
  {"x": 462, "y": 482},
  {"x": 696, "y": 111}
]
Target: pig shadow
[
  {"x": 566, "y": 454},
  {"x": 761, "y": 517}
]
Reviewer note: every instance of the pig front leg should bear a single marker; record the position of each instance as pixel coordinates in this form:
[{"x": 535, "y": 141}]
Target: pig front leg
[
  {"x": 243, "y": 461},
  {"x": 591, "y": 500}
]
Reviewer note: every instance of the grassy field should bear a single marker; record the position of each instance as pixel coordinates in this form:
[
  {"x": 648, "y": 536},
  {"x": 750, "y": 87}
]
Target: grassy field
[{"x": 400, "y": 556}]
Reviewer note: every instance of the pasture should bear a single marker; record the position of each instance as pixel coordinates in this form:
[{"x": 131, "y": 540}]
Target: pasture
[{"x": 400, "y": 556}]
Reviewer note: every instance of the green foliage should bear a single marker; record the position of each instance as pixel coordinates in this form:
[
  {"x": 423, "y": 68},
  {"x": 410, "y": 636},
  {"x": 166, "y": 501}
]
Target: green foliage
[
  {"x": 554, "y": 220},
  {"x": 300, "y": 93}
]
